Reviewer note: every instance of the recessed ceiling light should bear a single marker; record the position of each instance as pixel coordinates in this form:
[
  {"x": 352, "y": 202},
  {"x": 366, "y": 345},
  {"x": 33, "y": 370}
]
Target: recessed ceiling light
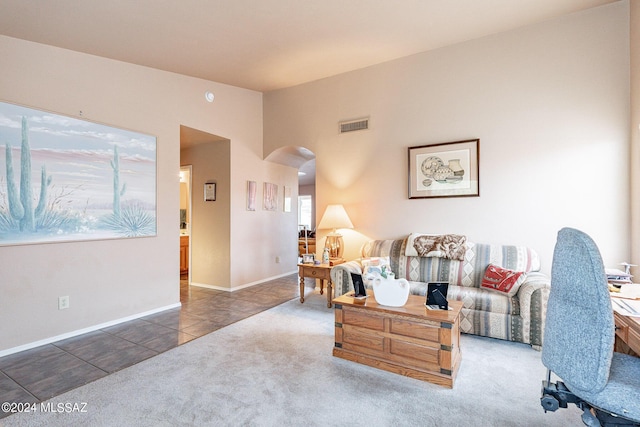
[
  {"x": 209, "y": 96},
  {"x": 301, "y": 173}
]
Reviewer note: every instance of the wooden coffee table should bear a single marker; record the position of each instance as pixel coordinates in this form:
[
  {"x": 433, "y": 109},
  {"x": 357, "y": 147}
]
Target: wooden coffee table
[{"x": 410, "y": 340}]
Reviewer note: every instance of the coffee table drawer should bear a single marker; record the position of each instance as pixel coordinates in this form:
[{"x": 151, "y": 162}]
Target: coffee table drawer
[
  {"x": 354, "y": 337},
  {"x": 362, "y": 319},
  {"x": 415, "y": 330},
  {"x": 414, "y": 351}
]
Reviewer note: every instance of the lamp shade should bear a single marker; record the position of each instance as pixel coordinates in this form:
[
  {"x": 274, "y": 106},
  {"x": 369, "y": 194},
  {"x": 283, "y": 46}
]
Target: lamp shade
[{"x": 335, "y": 217}]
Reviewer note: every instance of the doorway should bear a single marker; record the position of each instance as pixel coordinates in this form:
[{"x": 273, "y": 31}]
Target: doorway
[
  {"x": 185, "y": 223},
  {"x": 210, "y": 228}
]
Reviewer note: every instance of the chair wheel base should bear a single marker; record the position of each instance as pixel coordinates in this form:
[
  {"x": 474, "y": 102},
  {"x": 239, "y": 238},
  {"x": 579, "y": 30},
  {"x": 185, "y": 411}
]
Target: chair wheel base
[
  {"x": 557, "y": 395},
  {"x": 549, "y": 403},
  {"x": 588, "y": 418}
]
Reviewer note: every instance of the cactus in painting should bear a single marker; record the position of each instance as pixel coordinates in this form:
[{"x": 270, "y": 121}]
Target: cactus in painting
[
  {"x": 45, "y": 182},
  {"x": 135, "y": 221},
  {"x": 27, "y": 223},
  {"x": 117, "y": 190},
  {"x": 21, "y": 205},
  {"x": 15, "y": 207},
  {"x": 130, "y": 220}
]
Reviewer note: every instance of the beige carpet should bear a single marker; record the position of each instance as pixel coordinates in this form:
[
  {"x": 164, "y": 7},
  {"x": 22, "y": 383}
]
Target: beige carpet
[{"x": 276, "y": 369}]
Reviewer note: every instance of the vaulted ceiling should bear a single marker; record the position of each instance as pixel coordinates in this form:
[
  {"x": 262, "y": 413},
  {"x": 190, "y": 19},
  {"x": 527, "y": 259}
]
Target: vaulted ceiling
[{"x": 267, "y": 44}]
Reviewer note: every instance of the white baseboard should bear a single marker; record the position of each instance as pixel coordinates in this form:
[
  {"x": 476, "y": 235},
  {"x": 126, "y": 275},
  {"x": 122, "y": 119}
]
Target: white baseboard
[
  {"x": 132, "y": 317},
  {"x": 246, "y": 285},
  {"x": 85, "y": 330}
]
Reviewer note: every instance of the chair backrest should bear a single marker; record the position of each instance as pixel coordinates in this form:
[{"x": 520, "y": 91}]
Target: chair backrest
[{"x": 579, "y": 331}]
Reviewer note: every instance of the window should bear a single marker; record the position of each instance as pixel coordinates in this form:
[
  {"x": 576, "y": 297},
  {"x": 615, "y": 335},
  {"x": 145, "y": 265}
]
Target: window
[{"x": 305, "y": 206}]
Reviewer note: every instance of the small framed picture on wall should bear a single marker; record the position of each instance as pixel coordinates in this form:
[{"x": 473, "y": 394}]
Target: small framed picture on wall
[
  {"x": 251, "y": 195},
  {"x": 270, "y": 197},
  {"x": 210, "y": 192},
  {"x": 449, "y": 169}
]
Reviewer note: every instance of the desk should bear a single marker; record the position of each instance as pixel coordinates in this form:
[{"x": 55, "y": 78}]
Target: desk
[
  {"x": 627, "y": 334},
  {"x": 624, "y": 298}
]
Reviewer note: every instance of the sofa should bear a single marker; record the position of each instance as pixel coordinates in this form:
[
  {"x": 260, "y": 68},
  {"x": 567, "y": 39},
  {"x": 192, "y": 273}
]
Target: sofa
[{"x": 515, "y": 314}]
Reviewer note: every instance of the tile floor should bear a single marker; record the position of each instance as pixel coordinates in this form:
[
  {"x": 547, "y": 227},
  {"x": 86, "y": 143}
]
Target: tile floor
[{"x": 40, "y": 373}]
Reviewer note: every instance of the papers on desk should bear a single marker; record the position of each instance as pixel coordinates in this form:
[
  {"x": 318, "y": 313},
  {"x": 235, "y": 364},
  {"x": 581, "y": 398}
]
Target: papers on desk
[
  {"x": 626, "y": 299},
  {"x": 626, "y": 307},
  {"x": 627, "y": 291}
]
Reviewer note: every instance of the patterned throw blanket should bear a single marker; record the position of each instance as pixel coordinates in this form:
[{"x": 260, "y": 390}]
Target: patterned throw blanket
[{"x": 450, "y": 246}]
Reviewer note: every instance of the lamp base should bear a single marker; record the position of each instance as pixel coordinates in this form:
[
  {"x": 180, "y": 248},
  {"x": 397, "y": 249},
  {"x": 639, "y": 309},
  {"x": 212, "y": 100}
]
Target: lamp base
[
  {"x": 335, "y": 244},
  {"x": 335, "y": 261}
]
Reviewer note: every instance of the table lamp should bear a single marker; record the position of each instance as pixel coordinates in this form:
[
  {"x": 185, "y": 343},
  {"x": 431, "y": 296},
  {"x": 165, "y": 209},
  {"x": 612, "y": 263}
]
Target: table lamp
[{"x": 335, "y": 217}]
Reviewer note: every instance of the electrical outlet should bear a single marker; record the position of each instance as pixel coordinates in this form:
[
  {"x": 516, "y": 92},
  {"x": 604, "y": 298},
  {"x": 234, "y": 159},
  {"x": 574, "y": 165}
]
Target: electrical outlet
[
  {"x": 63, "y": 303},
  {"x": 277, "y": 260}
]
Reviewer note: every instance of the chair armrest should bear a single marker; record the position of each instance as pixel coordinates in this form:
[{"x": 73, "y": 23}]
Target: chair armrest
[
  {"x": 532, "y": 297},
  {"x": 341, "y": 276}
]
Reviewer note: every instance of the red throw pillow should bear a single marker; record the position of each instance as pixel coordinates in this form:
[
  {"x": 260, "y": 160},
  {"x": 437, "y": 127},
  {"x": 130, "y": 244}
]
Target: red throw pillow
[{"x": 502, "y": 280}]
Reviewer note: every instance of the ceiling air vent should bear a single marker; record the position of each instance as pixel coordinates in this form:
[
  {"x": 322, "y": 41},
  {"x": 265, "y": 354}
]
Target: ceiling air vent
[{"x": 353, "y": 125}]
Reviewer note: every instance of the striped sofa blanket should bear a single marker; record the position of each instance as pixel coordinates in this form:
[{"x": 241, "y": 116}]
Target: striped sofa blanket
[{"x": 485, "y": 312}]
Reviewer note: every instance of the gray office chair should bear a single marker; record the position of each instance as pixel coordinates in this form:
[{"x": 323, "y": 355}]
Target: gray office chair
[{"x": 579, "y": 336}]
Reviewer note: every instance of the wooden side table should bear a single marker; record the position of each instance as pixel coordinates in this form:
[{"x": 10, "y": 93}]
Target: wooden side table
[{"x": 322, "y": 272}]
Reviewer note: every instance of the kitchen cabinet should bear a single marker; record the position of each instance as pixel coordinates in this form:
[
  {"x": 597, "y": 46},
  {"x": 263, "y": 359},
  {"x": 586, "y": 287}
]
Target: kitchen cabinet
[{"x": 184, "y": 254}]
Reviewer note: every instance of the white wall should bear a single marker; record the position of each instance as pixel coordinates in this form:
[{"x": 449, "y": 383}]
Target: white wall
[
  {"x": 259, "y": 237},
  {"x": 634, "y": 25},
  {"x": 549, "y": 102},
  {"x": 211, "y": 221},
  {"x": 114, "y": 279}
]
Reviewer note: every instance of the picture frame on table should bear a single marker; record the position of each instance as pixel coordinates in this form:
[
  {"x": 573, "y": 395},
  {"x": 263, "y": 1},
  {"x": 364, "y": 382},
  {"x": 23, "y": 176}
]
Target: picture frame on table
[
  {"x": 449, "y": 169},
  {"x": 308, "y": 258}
]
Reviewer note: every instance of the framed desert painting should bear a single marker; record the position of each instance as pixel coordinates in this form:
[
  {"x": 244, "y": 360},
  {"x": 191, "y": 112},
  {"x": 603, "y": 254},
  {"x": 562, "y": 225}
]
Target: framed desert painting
[
  {"x": 448, "y": 169},
  {"x": 67, "y": 179}
]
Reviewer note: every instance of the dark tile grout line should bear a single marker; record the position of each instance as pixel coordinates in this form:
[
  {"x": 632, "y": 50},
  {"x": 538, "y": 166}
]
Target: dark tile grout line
[
  {"x": 213, "y": 294},
  {"x": 2, "y": 413},
  {"x": 57, "y": 345}
]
